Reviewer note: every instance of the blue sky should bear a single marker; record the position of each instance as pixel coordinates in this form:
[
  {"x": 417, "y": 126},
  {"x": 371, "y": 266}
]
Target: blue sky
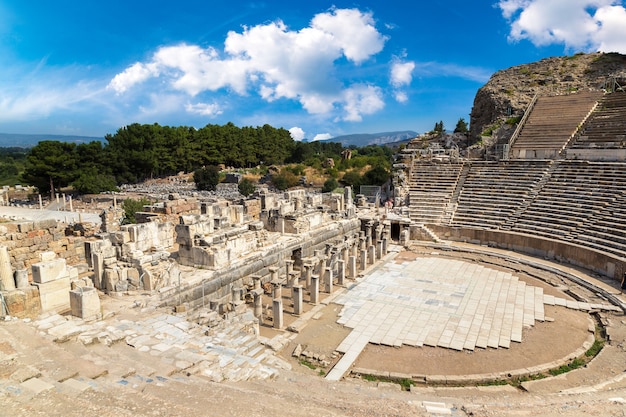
[{"x": 319, "y": 69}]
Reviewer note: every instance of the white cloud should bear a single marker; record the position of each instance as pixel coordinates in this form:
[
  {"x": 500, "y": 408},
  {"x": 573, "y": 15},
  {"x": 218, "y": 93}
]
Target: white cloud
[
  {"x": 204, "y": 109},
  {"x": 135, "y": 74},
  {"x": 297, "y": 133},
  {"x": 402, "y": 73},
  {"x": 401, "y": 97},
  {"x": 612, "y": 36},
  {"x": 577, "y": 24},
  {"x": 322, "y": 136},
  {"x": 360, "y": 100},
  {"x": 352, "y": 31},
  {"x": 275, "y": 62}
]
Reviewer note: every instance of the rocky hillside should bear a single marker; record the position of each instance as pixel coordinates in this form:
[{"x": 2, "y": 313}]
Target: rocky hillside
[{"x": 508, "y": 92}]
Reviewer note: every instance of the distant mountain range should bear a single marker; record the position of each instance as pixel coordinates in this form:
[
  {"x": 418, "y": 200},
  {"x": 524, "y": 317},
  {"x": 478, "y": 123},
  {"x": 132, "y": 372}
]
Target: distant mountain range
[
  {"x": 384, "y": 138},
  {"x": 8, "y": 140},
  {"x": 17, "y": 140}
]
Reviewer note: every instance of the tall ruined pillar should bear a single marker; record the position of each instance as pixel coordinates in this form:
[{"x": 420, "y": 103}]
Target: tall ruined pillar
[
  {"x": 372, "y": 254},
  {"x": 352, "y": 267},
  {"x": 297, "y": 300},
  {"x": 7, "y": 283},
  {"x": 328, "y": 280},
  {"x": 363, "y": 259},
  {"x": 341, "y": 272},
  {"x": 277, "y": 311},
  {"x": 258, "y": 303},
  {"x": 314, "y": 291}
]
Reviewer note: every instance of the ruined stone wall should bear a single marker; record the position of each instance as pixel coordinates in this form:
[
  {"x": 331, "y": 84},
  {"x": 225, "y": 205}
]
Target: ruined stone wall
[
  {"x": 217, "y": 285},
  {"x": 25, "y": 241}
]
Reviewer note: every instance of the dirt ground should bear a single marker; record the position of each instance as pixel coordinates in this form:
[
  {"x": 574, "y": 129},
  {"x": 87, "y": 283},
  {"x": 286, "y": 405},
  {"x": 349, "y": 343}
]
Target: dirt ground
[{"x": 562, "y": 333}]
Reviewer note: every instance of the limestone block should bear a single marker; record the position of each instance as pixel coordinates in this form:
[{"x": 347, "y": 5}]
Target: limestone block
[
  {"x": 108, "y": 251},
  {"x": 23, "y": 303},
  {"x": 111, "y": 278},
  {"x": 148, "y": 281},
  {"x": 119, "y": 238},
  {"x": 49, "y": 271},
  {"x": 47, "y": 256},
  {"x": 55, "y": 295},
  {"x": 73, "y": 272},
  {"x": 85, "y": 303}
]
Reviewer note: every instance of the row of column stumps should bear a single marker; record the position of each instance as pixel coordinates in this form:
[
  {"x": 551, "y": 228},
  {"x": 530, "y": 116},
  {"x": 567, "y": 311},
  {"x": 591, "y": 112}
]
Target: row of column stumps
[{"x": 320, "y": 267}]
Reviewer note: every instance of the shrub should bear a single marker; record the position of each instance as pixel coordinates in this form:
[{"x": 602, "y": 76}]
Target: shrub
[
  {"x": 207, "y": 178},
  {"x": 131, "y": 207},
  {"x": 286, "y": 179},
  {"x": 329, "y": 185},
  {"x": 246, "y": 187}
]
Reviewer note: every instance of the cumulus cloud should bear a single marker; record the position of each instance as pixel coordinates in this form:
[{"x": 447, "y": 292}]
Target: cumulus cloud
[
  {"x": 322, "y": 136},
  {"x": 204, "y": 109},
  {"x": 361, "y": 99},
  {"x": 276, "y": 63},
  {"x": 402, "y": 73},
  {"x": 578, "y": 24},
  {"x": 297, "y": 133}
]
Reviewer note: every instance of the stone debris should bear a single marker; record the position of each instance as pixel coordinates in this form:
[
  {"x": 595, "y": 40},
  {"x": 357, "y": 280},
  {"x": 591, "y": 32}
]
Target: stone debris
[{"x": 225, "y": 352}]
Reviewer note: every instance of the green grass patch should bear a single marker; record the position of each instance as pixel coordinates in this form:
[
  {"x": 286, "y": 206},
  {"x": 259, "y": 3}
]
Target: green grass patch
[
  {"x": 405, "y": 383},
  {"x": 307, "y": 364},
  {"x": 593, "y": 351},
  {"x": 575, "y": 364}
]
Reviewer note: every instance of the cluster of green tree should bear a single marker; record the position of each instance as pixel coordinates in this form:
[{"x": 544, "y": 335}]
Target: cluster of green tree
[
  {"x": 12, "y": 162},
  {"x": 461, "y": 127},
  {"x": 138, "y": 152}
]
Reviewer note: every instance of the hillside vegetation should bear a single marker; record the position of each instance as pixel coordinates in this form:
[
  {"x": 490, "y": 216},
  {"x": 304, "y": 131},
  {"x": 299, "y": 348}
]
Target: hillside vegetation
[{"x": 139, "y": 152}]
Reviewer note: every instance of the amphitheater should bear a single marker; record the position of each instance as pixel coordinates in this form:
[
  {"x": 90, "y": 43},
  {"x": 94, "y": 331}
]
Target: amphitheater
[{"x": 488, "y": 293}]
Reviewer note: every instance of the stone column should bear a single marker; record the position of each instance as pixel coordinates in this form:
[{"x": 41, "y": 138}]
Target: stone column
[
  {"x": 379, "y": 249},
  {"x": 347, "y": 196},
  {"x": 344, "y": 254},
  {"x": 258, "y": 303},
  {"x": 314, "y": 291},
  {"x": 257, "y": 282},
  {"x": 21, "y": 278},
  {"x": 281, "y": 225},
  {"x": 363, "y": 259},
  {"x": 97, "y": 260},
  {"x": 352, "y": 267},
  {"x": 341, "y": 272},
  {"x": 328, "y": 280},
  {"x": 277, "y": 312},
  {"x": 321, "y": 267},
  {"x": 307, "y": 275},
  {"x": 7, "y": 283},
  {"x": 385, "y": 243},
  {"x": 289, "y": 266},
  {"x": 277, "y": 290},
  {"x": 297, "y": 299},
  {"x": 273, "y": 274},
  {"x": 236, "y": 295},
  {"x": 354, "y": 249},
  {"x": 372, "y": 254}
]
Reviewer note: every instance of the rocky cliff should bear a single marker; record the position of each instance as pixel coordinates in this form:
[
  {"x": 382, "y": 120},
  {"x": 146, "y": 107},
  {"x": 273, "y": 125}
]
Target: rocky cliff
[{"x": 508, "y": 92}]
